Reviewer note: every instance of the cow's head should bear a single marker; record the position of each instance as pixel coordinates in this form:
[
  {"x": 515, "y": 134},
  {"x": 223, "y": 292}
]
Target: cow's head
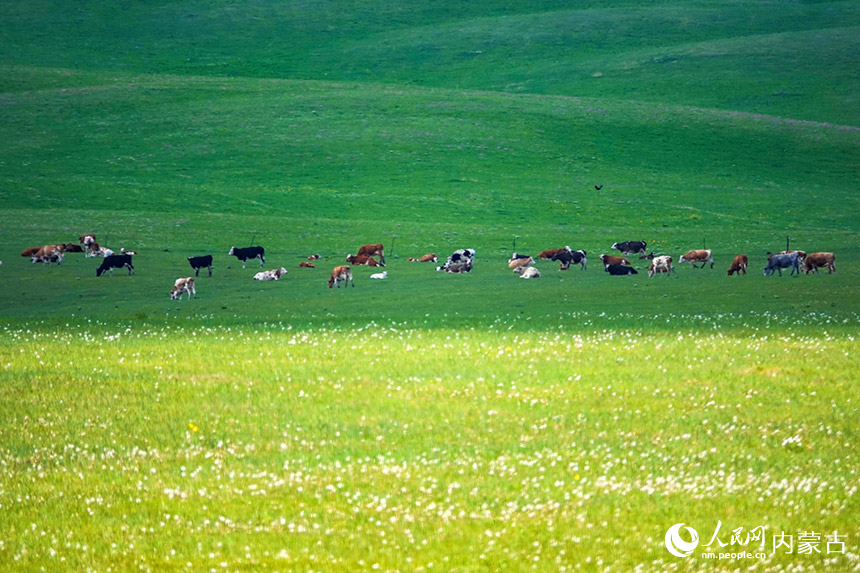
[{"x": 232, "y": 251}]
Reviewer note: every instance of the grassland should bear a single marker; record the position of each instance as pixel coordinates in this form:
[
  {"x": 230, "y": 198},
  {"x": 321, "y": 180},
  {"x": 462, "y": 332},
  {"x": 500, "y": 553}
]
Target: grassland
[{"x": 425, "y": 422}]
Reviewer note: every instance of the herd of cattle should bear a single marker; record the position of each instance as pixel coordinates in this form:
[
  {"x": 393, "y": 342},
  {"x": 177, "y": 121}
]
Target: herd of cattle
[{"x": 460, "y": 261}]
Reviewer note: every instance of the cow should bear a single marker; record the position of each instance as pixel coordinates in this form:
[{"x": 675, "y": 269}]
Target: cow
[
  {"x": 739, "y": 265},
  {"x": 523, "y": 262},
  {"x": 72, "y": 248},
  {"x": 96, "y": 250},
  {"x": 527, "y": 272},
  {"x": 200, "y": 262},
  {"x": 29, "y": 252},
  {"x": 568, "y": 257},
  {"x": 248, "y": 253},
  {"x": 87, "y": 240},
  {"x": 182, "y": 286},
  {"x": 372, "y": 251},
  {"x": 341, "y": 274},
  {"x": 382, "y": 275},
  {"x": 550, "y": 253},
  {"x": 800, "y": 254},
  {"x": 313, "y": 257},
  {"x": 272, "y": 275},
  {"x": 613, "y": 260},
  {"x": 815, "y": 260},
  {"x": 112, "y": 262},
  {"x": 628, "y": 247},
  {"x": 660, "y": 264},
  {"x": 456, "y": 268},
  {"x": 307, "y": 265},
  {"x": 122, "y": 251},
  {"x": 782, "y": 261},
  {"x": 50, "y": 254},
  {"x": 697, "y": 256},
  {"x": 363, "y": 260},
  {"x": 428, "y": 258},
  {"x": 462, "y": 259},
  {"x": 620, "y": 270}
]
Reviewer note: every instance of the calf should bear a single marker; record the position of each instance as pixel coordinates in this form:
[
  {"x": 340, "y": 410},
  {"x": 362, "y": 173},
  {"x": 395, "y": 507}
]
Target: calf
[
  {"x": 272, "y": 275},
  {"x": 660, "y": 264},
  {"x": 96, "y": 250},
  {"x": 697, "y": 256},
  {"x": 627, "y": 247},
  {"x": 341, "y": 274},
  {"x": 523, "y": 262},
  {"x": 248, "y": 253},
  {"x": 313, "y": 257},
  {"x": 382, "y": 275},
  {"x": 112, "y": 262},
  {"x": 307, "y": 265},
  {"x": 739, "y": 265},
  {"x": 456, "y": 268},
  {"x": 372, "y": 251},
  {"x": 462, "y": 261},
  {"x": 363, "y": 260},
  {"x": 182, "y": 286},
  {"x": 816, "y": 260},
  {"x": 428, "y": 258},
  {"x": 782, "y": 261},
  {"x": 568, "y": 257},
  {"x": 620, "y": 270},
  {"x": 87, "y": 240},
  {"x": 201, "y": 262},
  {"x": 527, "y": 272},
  {"x": 550, "y": 253},
  {"x": 613, "y": 260}
]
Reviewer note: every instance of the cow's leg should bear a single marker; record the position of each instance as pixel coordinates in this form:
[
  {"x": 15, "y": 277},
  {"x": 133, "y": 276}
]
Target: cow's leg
[
  {"x": 262, "y": 260},
  {"x": 210, "y": 270}
]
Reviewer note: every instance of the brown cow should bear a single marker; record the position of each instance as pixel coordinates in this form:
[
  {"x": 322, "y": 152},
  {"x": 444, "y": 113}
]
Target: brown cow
[
  {"x": 613, "y": 260},
  {"x": 816, "y": 260},
  {"x": 371, "y": 251},
  {"x": 72, "y": 248},
  {"x": 87, "y": 239},
  {"x": 428, "y": 258},
  {"x": 523, "y": 262},
  {"x": 697, "y": 256},
  {"x": 341, "y": 274},
  {"x": 363, "y": 260},
  {"x": 30, "y": 252},
  {"x": 739, "y": 264},
  {"x": 550, "y": 253},
  {"x": 306, "y": 265}
]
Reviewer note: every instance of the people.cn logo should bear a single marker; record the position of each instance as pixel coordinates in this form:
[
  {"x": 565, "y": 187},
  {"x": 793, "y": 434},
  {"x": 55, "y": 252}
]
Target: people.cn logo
[{"x": 678, "y": 546}]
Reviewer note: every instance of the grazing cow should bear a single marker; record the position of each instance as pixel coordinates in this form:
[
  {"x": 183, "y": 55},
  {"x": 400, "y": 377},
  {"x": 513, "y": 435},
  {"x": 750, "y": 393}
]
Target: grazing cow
[
  {"x": 87, "y": 240},
  {"x": 568, "y": 257},
  {"x": 30, "y": 252},
  {"x": 550, "y": 253},
  {"x": 382, "y": 275},
  {"x": 372, "y": 251},
  {"x": 72, "y": 248},
  {"x": 112, "y": 262},
  {"x": 461, "y": 259},
  {"x": 660, "y": 264},
  {"x": 428, "y": 258},
  {"x": 816, "y": 260},
  {"x": 313, "y": 257},
  {"x": 782, "y": 261},
  {"x": 50, "y": 254},
  {"x": 201, "y": 262},
  {"x": 523, "y": 262},
  {"x": 363, "y": 260},
  {"x": 182, "y": 286},
  {"x": 527, "y": 272},
  {"x": 739, "y": 265},
  {"x": 307, "y": 265},
  {"x": 697, "y": 256},
  {"x": 248, "y": 253},
  {"x": 628, "y": 247},
  {"x": 272, "y": 275},
  {"x": 613, "y": 260},
  {"x": 620, "y": 270},
  {"x": 341, "y": 274}
]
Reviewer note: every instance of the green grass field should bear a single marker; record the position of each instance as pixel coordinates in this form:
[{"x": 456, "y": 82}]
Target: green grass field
[{"x": 427, "y": 422}]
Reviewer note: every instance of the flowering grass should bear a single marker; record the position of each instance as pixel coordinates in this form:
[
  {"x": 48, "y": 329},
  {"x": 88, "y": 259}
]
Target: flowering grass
[{"x": 401, "y": 448}]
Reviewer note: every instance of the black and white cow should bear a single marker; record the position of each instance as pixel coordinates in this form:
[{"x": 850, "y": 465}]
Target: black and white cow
[
  {"x": 201, "y": 262},
  {"x": 781, "y": 261},
  {"x": 567, "y": 257},
  {"x": 246, "y": 253},
  {"x": 620, "y": 270},
  {"x": 628, "y": 247},
  {"x": 463, "y": 257},
  {"x": 112, "y": 262}
]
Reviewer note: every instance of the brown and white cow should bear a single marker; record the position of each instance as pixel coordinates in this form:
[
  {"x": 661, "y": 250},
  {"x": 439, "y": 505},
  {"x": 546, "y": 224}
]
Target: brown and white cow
[
  {"x": 613, "y": 260},
  {"x": 313, "y": 257},
  {"x": 93, "y": 249},
  {"x": 50, "y": 254},
  {"x": 523, "y": 262},
  {"x": 363, "y": 260},
  {"x": 272, "y": 275},
  {"x": 739, "y": 265},
  {"x": 341, "y": 274},
  {"x": 816, "y": 260},
  {"x": 87, "y": 240},
  {"x": 697, "y": 256},
  {"x": 30, "y": 251},
  {"x": 307, "y": 265},
  {"x": 372, "y": 251},
  {"x": 428, "y": 258},
  {"x": 660, "y": 264},
  {"x": 182, "y": 286}
]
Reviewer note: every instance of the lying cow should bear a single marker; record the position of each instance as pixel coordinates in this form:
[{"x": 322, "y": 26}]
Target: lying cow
[
  {"x": 697, "y": 256},
  {"x": 182, "y": 286},
  {"x": 521, "y": 262},
  {"x": 550, "y": 253},
  {"x": 372, "y": 251},
  {"x": 608, "y": 260},
  {"x": 382, "y": 275},
  {"x": 461, "y": 261},
  {"x": 527, "y": 272},
  {"x": 428, "y": 258},
  {"x": 456, "y": 268},
  {"x": 313, "y": 257},
  {"x": 660, "y": 264},
  {"x": 628, "y": 247},
  {"x": 72, "y": 248},
  {"x": 568, "y": 257},
  {"x": 341, "y": 274},
  {"x": 739, "y": 265},
  {"x": 306, "y": 265},
  {"x": 363, "y": 260},
  {"x": 816, "y": 260},
  {"x": 620, "y": 270},
  {"x": 96, "y": 250},
  {"x": 782, "y": 261},
  {"x": 272, "y": 275},
  {"x": 112, "y": 262},
  {"x": 248, "y": 253},
  {"x": 201, "y": 262},
  {"x": 29, "y": 252}
]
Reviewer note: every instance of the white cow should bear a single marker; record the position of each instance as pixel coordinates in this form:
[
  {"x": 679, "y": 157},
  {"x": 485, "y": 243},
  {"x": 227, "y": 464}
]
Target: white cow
[{"x": 272, "y": 275}]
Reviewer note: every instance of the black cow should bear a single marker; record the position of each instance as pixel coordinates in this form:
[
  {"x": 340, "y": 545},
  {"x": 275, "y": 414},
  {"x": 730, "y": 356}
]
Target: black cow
[
  {"x": 466, "y": 257},
  {"x": 200, "y": 262},
  {"x": 566, "y": 258},
  {"x": 245, "y": 253},
  {"x": 112, "y": 262},
  {"x": 620, "y": 270},
  {"x": 628, "y": 247}
]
